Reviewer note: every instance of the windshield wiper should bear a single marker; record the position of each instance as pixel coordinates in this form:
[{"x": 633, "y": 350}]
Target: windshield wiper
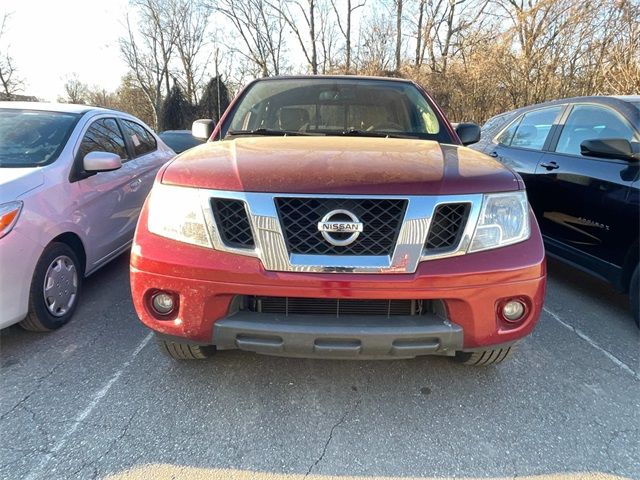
[
  {"x": 269, "y": 132},
  {"x": 354, "y": 132}
]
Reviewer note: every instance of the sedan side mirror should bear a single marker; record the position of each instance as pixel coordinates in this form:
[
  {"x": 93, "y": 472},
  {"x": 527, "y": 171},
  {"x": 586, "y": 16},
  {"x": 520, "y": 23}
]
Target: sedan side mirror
[
  {"x": 616, "y": 148},
  {"x": 94, "y": 162},
  {"x": 203, "y": 128},
  {"x": 468, "y": 133}
]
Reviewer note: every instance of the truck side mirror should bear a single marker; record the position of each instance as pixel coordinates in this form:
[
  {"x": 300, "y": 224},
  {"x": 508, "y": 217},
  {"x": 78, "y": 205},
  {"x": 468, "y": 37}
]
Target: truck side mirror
[{"x": 203, "y": 128}]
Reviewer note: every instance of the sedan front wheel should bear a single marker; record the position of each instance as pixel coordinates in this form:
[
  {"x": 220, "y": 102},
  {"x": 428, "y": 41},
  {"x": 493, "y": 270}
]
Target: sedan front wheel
[{"x": 55, "y": 289}]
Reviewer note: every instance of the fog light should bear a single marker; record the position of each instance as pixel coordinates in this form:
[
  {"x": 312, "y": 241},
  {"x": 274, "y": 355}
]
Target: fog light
[
  {"x": 513, "y": 310},
  {"x": 162, "y": 303}
]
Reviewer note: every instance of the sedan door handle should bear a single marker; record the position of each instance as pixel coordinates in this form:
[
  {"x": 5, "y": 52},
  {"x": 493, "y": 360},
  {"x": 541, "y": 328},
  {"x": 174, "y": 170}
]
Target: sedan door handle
[
  {"x": 550, "y": 165},
  {"x": 494, "y": 154}
]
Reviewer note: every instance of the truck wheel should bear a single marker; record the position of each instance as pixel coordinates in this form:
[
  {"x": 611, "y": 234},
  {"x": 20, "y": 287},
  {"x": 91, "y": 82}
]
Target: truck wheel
[
  {"x": 185, "y": 351},
  {"x": 484, "y": 358},
  {"x": 55, "y": 289},
  {"x": 634, "y": 291}
]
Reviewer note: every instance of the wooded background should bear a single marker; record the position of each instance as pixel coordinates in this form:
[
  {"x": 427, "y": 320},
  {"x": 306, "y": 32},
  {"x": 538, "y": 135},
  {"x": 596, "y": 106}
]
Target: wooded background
[{"x": 477, "y": 57}]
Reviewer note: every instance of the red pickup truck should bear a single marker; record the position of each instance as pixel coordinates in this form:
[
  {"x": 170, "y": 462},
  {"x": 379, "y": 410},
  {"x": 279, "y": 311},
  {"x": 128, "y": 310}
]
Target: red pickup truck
[{"x": 338, "y": 217}]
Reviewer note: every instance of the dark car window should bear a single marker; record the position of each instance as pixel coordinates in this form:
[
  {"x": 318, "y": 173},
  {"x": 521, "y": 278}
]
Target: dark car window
[
  {"x": 179, "y": 141},
  {"x": 141, "y": 139},
  {"x": 103, "y": 135},
  {"x": 333, "y": 106},
  {"x": 589, "y": 122},
  {"x": 31, "y": 138},
  {"x": 506, "y": 135},
  {"x": 534, "y": 128}
]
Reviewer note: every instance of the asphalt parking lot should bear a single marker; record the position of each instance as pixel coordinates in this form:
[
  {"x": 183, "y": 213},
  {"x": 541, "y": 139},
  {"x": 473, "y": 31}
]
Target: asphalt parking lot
[{"x": 98, "y": 400}]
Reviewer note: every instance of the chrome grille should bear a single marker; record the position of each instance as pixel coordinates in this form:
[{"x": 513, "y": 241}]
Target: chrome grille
[
  {"x": 333, "y": 306},
  {"x": 447, "y": 226},
  {"x": 299, "y": 217},
  {"x": 233, "y": 222}
]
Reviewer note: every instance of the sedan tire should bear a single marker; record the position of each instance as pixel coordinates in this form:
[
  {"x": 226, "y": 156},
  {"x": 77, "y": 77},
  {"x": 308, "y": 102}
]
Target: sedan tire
[{"x": 55, "y": 289}]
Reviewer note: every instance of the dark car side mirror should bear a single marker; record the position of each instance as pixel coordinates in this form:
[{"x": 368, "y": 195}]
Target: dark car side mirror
[
  {"x": 468, "y": 133},
  {"x": 203, "y": 128},
  {"x": 616, "y": 148}
]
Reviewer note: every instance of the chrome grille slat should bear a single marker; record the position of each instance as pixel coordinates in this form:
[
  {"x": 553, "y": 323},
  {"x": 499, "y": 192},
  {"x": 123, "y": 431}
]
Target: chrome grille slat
[{"x": 408, "y": 248}]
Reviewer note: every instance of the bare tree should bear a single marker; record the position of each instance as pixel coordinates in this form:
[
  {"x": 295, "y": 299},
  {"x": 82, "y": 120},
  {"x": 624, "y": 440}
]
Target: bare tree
[
  {"x": 307, "y": 9},
  {"x": 75, "y": 90},
  {"x": 148, "y": 49},
  {"x": 345, "y": 26},
  {"x": 261, "y": 29},
  {"x": 192, "y": 22},
  {"x": 376, "y": 52},
  {"x": 9, "y": 81}
]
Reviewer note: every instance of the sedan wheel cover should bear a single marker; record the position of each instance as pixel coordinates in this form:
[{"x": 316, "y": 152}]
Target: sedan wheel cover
[{"x": 60, "y": 286}]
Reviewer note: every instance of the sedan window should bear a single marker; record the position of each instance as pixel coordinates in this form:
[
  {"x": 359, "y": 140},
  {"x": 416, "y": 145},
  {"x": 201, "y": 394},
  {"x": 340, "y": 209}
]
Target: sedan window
[
  {"x": 103, "y": 136},
  {"x": 141, "y": 139},
  {"x": 590, "y": 122},
  {"x": 31, "y": 138}
]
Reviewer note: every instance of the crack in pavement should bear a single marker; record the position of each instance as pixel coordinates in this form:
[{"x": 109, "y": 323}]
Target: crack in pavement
[
  {"x": 112, "y": 444},
  {"x": 342, "y": 419},
  {"x": 588, "y": 339},
  {"x": 39, "y": 382}
]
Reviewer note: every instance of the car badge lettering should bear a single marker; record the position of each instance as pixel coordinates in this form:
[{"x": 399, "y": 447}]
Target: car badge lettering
[{"x": 334, "y": 222}]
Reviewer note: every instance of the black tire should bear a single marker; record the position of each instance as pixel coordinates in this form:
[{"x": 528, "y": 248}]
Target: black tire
[
  {"x": 40, "y": 317},
  {"x": 634, "y": 292},
  {"x": 185, "y": 351},
  {"x": 484, "y": 358}
]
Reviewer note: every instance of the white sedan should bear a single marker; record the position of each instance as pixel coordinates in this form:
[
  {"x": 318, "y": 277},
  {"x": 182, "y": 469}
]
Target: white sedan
[{"x": 72, "y": 182}]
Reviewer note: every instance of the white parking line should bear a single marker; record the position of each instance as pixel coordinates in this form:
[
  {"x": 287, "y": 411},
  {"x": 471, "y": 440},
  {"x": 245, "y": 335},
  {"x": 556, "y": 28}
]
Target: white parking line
[
  {"x": 81, "y": 417},
  {"x": 588, "y": 339}
]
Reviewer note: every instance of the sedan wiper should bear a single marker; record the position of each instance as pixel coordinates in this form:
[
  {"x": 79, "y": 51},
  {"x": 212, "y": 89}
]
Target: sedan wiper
[
  {"x": 269, "y": 132},
  {"x": 354, "y": 132}
]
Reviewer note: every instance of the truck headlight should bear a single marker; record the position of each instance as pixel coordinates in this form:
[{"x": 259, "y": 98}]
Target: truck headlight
[
  {"x": 504, "y": 220},
  {"x": 175, "y": 212}
]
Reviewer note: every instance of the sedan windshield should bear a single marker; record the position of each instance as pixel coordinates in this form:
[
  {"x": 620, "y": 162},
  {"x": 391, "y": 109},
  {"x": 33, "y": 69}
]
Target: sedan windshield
[
  {"x": 336, "y": 106},
  {"x": 31, "y": 138}
]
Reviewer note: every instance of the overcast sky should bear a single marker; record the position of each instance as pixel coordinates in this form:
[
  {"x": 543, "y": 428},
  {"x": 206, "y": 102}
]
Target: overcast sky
[{"x": 51, "y": 39}]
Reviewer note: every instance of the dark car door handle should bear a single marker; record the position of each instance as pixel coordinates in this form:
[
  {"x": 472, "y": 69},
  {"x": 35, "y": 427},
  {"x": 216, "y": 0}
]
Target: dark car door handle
[
  {"x": 494, "y": 154},
  {"x": 550, "y": 165}
]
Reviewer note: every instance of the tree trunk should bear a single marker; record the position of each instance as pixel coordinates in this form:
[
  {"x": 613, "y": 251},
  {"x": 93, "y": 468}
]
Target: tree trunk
[{"x": 398, "y": 33}]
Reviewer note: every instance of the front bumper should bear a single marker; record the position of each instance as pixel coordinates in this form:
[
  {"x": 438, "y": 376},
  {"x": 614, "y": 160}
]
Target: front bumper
[
  {"x": 470, "y": 287},
  {"x": 18, "y": 257}
]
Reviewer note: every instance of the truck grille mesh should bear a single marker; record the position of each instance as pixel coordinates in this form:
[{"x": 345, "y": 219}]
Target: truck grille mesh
[
  {"x": 233, "y": 222},
  {"x": 381, "y": 218},
  {"x": 333, "y": 306},
  {"x": 447, "y": 227}
]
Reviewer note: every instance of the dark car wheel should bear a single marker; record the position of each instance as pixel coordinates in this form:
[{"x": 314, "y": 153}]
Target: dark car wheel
[
  {"x": 634, "y": 292},
  {"x": 55, "y": 289}
]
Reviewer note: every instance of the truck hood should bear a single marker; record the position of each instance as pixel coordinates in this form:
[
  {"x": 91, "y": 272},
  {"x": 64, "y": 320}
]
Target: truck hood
[
  {"x": 341, "y": 165},
  {"x": 15, "y": 182}
]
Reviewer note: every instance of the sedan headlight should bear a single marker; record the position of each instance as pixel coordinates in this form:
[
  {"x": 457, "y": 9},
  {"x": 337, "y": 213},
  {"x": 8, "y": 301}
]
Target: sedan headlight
[
  {"x": 504, "y": 220},
  {"x": 9, "y": 213},
  {"x": 175, "y": 212}
]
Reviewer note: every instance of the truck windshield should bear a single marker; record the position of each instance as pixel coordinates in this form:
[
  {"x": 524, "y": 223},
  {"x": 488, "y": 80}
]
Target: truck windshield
[
  {"x": 32, "y": 138},
  {"x": 336, "y": 106}
]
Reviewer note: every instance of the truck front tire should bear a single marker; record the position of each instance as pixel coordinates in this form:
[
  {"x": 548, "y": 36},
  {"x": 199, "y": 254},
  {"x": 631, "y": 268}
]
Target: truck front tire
[
  {"x": 185, "y": 351},
  {"x": 484, "y": 358}
]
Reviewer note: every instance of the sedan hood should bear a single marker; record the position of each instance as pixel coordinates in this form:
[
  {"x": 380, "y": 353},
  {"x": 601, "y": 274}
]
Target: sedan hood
[
  {"x": 15, "y": 182},
  {"x": 340, "y": 165}
]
